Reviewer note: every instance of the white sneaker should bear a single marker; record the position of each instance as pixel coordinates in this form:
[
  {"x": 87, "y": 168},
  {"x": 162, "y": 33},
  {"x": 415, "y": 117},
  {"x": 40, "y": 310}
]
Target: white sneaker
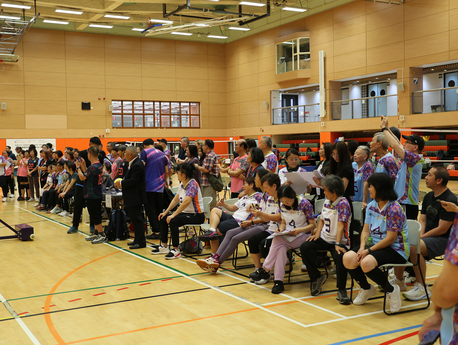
[
  {"x": 417, "y": 293},
  {"x": 11, "y": 196},
  {"x": 303, "y": 268},
  {"x": 4, "y": 199},
  {"x": 402, "y": 285},
  {"x": 37, "y": 204},
  {"x": 332, "y": 270},
  {"x": 37, "y": 199},
  {"x": 55, "y": 210},
  {"x": 160, "y": 250},
  {"x": 394, "y": 299},
  {"x": 364, "y": 295},
  {"x": 408, "y": 279},
  {"x": 207, "y": 264},
  {"x": 173, "y": 254},
  {"x": 63, "y": 214}
]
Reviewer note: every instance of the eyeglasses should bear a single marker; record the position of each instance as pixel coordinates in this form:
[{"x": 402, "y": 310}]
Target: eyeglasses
[{"x": 293, "y": 159}]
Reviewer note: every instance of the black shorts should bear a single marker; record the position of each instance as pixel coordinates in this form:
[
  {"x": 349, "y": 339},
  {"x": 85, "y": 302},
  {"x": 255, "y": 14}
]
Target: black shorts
[
  {"x": 385, "y": 255},
  {"x": 436, "y": 246},
  {"x": 94, "y": 207},
  {"x": 227, "y": 222}
]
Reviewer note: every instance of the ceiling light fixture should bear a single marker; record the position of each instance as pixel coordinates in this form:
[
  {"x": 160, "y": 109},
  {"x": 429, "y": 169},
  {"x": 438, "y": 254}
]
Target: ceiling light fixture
[
  {"x": 249, "y": 3},
  {"x": 116, "y": 16},
  {"x": 137, "y": 29},
  {"x": 54, "y": 22},
  {"x": 238, "y": 28},
  {"x": 202, "y": 25},
  {"x": 215, "y": 36},
  {"x": 17, "y": 6},
  {"x": 101, "y": 26},
  {"x": 69, "y": 12},
  {"x": 10, "y": 17},
  {"x": 160, "y": 21},
  {"x": 294, "y": 9},
  {"x": 181, "y": 33}
]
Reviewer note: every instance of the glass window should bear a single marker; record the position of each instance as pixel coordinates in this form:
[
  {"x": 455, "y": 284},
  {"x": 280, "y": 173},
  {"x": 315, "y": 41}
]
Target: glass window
[
  {"x": 127, "y": 107},
  {"x": 165, "y": 107},
  {"x": 138, "y": 107},
  {"x": 185, "y": 108},
  {"x": 293, "y": 55},
  {"x": 127, "y": 121},
  {"x": 195, "y": 108},
  {"x": 195, "y": 121},
  {"x": 117, "y": 121},
  {"x": 175, "y": 107},
  {"x": 117, "y": 108},
  {"x": 149, "y": 107},
  {"x": 138, "y": 120},
  {"x": 175, "y": 120},
  {"x": 149, "y": 120},
  {"x": 165, "y": 121},
  {"x": 158, "y": 121},
  {"x": 184, "y": 121}
]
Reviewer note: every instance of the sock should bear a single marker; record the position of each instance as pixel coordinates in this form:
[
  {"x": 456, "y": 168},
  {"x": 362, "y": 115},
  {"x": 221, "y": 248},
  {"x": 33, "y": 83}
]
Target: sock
[
  {"x": 216, "y": 257},
  {"x": 212, "y": 229},
  {"x": 358, "y": 275},
  {"x": 380, "y": 278}
]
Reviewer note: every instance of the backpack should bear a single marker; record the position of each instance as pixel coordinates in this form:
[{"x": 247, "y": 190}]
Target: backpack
[
  {"x": 191, "y": 246},
  {"x": 216, "y": 183},
  {"x": 116, "y": 226}
]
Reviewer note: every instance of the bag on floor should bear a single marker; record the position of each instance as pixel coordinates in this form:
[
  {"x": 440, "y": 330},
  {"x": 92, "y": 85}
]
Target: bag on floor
[
  {"x": 116, "y": 226},
  {"x": 191, "y": 246}
]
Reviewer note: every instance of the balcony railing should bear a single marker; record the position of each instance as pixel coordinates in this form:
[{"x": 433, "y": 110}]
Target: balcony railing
[
  {"x": 361, "y": 108},
  {"x": 435, "y": 100},
  {"x": 296, "y": 114}
]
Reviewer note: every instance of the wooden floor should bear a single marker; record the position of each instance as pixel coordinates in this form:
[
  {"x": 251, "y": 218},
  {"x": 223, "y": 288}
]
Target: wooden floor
[{"x": 60, "y": 289}]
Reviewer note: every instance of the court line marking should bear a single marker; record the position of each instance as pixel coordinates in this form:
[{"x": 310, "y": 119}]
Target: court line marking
[
  {"x": 19, "y": 321},
  {"x": 402, "y": 337}
]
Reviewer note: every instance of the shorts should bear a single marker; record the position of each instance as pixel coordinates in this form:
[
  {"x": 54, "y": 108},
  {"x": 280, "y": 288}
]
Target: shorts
[
  {"x": 94, "y": 207},
  {"x": 385, "y": 255},
  {"x": 227, "y": 222},
  {"x": 436, "y": 246}
]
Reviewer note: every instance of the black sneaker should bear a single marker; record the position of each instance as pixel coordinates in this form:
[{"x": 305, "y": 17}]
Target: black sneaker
[
  {"x": 278, "y": 287},
  {"x": 264, "y": 277},
  {"x": 342, "y": 297},
  {"x": 316, "y": 286},
  {"x": 153, "y": 236},
  {"x": 209, "y": 235},
  {"x": 254, "y": 276}
]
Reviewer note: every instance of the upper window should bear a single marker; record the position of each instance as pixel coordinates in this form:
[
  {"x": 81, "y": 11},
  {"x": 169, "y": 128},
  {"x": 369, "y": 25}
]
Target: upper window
[
  {"x": 130, "y": 114},
  {"x": 293, "y": 55}
]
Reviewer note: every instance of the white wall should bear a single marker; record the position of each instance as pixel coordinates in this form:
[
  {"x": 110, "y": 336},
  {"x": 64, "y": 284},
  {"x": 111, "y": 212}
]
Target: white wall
[
  {"x": 392, "y": 102},
  {"x": 432, "y": 81}
]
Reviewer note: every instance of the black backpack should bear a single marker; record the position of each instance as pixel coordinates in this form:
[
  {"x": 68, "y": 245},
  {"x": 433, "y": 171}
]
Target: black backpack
[
  {"x": 191, "y": 246},
  {"x": 116, "y": 226}
]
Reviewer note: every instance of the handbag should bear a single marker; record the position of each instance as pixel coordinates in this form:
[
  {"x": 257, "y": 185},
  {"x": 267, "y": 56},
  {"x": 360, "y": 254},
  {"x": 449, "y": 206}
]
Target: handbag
[{"x": 216, "y": 183}]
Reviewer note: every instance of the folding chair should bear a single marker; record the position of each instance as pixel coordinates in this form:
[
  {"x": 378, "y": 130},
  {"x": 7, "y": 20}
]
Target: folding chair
[
  {"x": 226, "y": 182},
  {"x": 319, "y": 205},
  {"x": 413, "y": 229},
  {"x": 174, "y": 189}
]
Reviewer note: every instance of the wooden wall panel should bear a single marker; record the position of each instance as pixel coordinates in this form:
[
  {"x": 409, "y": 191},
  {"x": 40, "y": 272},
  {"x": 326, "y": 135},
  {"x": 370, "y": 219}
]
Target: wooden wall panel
[
  {"x": 46, "y": 121},
  {"x": 46, "y": 107},
  {"x": 45, "y": 79},
  {"x": 122, "y": 42},
  {"x": 192, "y": 60},
  {"x": 12, "y": 122},
  {"x": 37, "y": 64},
  {"x": 424, "y": 8},
  {"x": 122, "y": 69},
  {"x": 435, "y": 24},
  {"x": 84, "y": 39},
  {"x": 158, "y": 45},
  {"x": 84, "y": 53},
  {"x": 158, "y": 71},
  {"x": 13, "y": 107},
  {"x": 86, "y": 80},
  {"x": 157, "y": 58},
  {"x": 386, "y": 17},
  {"x": 385, "y": 36},
  {"x": 160, "y": 84},
  {"x": 350, "y": 44},
  {"x": 189, "y": 72},
  {"x": 126, "y": 56},
  {"x": 435, "y": 44},
  {"x": 349, "y": 27},
  {"x": 123, "y": 82},
  {"x": 44, "y": 50}
]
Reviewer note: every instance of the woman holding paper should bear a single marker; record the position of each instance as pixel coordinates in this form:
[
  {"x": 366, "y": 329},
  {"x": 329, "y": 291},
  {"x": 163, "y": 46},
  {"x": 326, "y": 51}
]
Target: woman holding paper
[
  {"x": 323, "y": 167},
  {"x": 362, "y": 170},
  {"x": 297, "y": 222},
  {"x": 292, "y": 165}
]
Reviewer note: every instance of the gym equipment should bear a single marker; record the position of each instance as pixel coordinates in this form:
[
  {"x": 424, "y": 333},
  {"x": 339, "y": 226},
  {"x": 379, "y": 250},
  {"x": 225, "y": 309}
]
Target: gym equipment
[{"x": 23, "y": 231}]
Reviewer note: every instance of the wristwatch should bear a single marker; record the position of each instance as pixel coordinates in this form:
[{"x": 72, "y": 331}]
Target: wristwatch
[
  {"x": 384, "y": 129},
  {"x": 370, "y": 251}
]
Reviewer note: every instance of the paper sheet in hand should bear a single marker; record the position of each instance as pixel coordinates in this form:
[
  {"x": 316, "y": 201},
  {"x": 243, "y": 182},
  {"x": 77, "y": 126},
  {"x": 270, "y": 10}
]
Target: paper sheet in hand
[
  {"x": 298, "y": 183},
  {"x": 284, "y": 233},
  {"x": 108, "y": 201}
]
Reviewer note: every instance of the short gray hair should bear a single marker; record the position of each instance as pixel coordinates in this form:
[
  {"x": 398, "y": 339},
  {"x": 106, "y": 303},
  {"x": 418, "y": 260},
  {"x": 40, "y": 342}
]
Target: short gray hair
[
  {"x": 365, "y": 149},
  {"x": 334, "y": 184},
  {"x": 133, "y": 150},
  {"x": 267, "y": 141},
  {"x": 185, "y": 139},
  {"x": 380, "y": 137}
]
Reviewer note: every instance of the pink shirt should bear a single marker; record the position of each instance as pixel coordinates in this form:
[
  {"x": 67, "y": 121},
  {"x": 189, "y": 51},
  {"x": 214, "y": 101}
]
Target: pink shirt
[{"x": 22, "y": 169}]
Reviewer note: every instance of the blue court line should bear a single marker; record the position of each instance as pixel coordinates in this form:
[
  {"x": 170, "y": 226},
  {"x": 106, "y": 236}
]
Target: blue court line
[{"x": 375, "y": 335}]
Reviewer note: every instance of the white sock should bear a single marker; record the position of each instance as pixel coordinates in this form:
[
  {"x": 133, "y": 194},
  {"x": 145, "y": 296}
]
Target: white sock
[{"x": 212, "y": 229}]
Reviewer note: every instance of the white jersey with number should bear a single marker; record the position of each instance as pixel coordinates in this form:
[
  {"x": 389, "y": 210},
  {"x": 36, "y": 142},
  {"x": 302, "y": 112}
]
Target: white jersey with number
[
  {"x": 332, "y": 214},
  {"x": 270, "y": 206}
]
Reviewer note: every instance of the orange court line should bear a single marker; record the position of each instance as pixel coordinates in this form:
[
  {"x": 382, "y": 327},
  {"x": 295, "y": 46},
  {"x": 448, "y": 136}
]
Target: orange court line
[
  {"x": 48, "y": 319},
  {"x": 159, "y": 326}
]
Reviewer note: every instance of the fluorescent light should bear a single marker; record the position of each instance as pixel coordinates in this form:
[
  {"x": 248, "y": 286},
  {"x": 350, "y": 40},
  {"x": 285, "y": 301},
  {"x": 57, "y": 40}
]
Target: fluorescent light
[
  {"x": 294, "y": 9},
  {"x": 202, "y": 25},
  {"x": 17, "y": 6},
  {"x": 115, "y": 16},
  {"x": 249, "y": 3},
  {"x": 181, "y": 33},
  {"x": 161, "y": 21},
  {"x": 10, "y": 17},
  {"x": 69, "y": 12},
  {"x": 214, "y": 36},
  {"x": 101, "y": 26},
  {"x": 54, "y": 22},
  {"x": 238, "y": 28},
  {"x": 137, "y": 29}
]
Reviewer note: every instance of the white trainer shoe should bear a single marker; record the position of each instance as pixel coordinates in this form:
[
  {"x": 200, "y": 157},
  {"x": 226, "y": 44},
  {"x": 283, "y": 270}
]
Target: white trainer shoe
[
  {"x": 160, "y": 250},
  {"x": 417, "y": 293},
  {"x": 394, "y": 299},
  {"x": 364, "y": 295}
]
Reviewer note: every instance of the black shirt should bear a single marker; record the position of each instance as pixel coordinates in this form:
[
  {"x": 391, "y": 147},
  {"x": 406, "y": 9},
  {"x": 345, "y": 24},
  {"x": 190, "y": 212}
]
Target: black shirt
[
  {"x": 434, "y": 211},
  {"x": 348, "y": 173},
  {"x": 182, "y": 155},
  {"x": 123, "y": 167}
]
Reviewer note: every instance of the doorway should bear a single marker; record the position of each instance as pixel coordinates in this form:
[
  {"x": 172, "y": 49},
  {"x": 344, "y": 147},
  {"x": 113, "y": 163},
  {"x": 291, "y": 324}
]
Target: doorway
[
  {"x": 377, "y": 106},
  {"x": 289, "y": 115}
]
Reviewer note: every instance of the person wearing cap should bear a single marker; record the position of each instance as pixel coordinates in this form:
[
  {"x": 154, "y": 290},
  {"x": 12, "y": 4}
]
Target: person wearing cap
[
  {"x": 407, "y": 184},
  {"x": 163, "y": 143}
]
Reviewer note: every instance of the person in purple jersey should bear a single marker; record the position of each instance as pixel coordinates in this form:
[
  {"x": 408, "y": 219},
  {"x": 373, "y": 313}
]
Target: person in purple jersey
[{"x": 155, "y": 171}]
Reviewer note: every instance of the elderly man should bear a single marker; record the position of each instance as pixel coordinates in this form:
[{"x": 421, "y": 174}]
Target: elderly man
[
  {"x": 237, "y": 168},
  {"x": 270, "y": 160},
  {"x": 386, "y": 164},
  {"x": 184, "y": 143},
  {"x": 134, "y": 195}
]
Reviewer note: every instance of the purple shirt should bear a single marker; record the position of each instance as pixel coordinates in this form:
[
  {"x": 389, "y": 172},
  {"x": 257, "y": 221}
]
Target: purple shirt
[
  {"x": 155, "y": 163},
  {"x": 270, "y": 162}
]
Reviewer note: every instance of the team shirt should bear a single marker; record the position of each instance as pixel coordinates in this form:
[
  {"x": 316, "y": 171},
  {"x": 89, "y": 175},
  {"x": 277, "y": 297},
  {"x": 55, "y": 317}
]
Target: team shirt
[
  {"x": 209, "y": 163},
  {"x": 270, "y": 206},
  {"x": 388, "y": 165},
  {"x": 407, "y": 184},
  {"x": 155, "y": 163},
  {"x": 192, "y": 190},
  {"x": 167, "y": 153},
  {"x": 284, "y": 170},
  {"x": 332, "y": 214},
  {"x": 271, "y": 162},
  {"x": 115, "y": 167},
  {"x": 449, "y": 325},
  {"x": 9, "y": 168},
  {"x": 2, "y": 168},
  {"x": 238, "y": 163},
  {"x": 242, "y": 204},
  {"x": 122, "y": 171},
  {"x": 32, "y": 163},
  {"x": 392, "y": 217},
  {"x": 361, "y": 176},
  {"x": 298, "y": 218},
  {"x": 22, "y": 168},
  {"x": 93, "y": 183}
]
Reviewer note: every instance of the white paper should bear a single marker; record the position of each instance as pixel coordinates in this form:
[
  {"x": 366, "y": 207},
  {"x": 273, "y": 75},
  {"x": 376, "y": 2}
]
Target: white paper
[
  {"x": 108, "y": 201},
  {"x": 286, "y": 235},
  {"x": 297, "y": 182}
]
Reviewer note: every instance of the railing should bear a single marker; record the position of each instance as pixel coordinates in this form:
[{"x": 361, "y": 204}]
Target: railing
[
  {"x": 296, "y": 114},
  {"x": 360, "y": 108},
  {"x": 435, "y": 100}
]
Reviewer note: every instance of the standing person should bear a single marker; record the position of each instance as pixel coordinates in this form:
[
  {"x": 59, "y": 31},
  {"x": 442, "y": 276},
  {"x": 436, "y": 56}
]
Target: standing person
[
  {"x": 292, "y": 165},
  {"x": 276, "y": 152},
  {"x": 325, "y": 153},
  {"x": 168, "y": 154},
  {"x": 184, "y": 143},
  {"x": 445, "y": 293},
  {"x": 134, "y": 195},
  {"x": 270, "y": 160},
  {"x": 190, "y": 211},
  {"x": 387, "y": 163},
  {"x": 362, "y": 170},
  {"x": 163, "y": 143},
  {"x": 9, "y": 172},
  {"x": 156, "y": 170},
  {"x": 199, "y": 143},
  {"x": 93, "y": 192},
  {"x": 193, "y": 158},
  {"x": 10, "y": 153},
  {"x": 209, "y": 166},
  {"x": 43, "y": 166},
  {"x": 33, "y": 176},
  {"x": 3, "y": 167},
  {"x": 116, "y": 163},
  {"x": 124, "y": 166},
  {"x": 386, "y": 225},
  {"x": 109, "y": 156},
  {"x": 22, "y": 175},
  {"x": 352, "y": 145},
  {"x": 69, "y": 190},
  {"x": 407, "y": 185},
  {"x": 237, "y": 168},
  {"x": 255, "y": 158}
]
